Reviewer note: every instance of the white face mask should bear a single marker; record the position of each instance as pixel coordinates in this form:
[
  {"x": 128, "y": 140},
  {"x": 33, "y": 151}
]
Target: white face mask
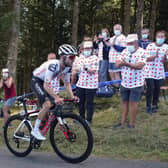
[{"x": 131, "y": 48}]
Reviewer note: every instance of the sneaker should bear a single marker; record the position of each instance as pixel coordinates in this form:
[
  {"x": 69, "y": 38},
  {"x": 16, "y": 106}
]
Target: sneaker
[
  {"x": 37, "y": 135},
  {"x": 154, "y": 108},
  {"x": 149, "y": 110},
  {"x": 119, "y": 125},
  {"x": 131, "y": 126}
]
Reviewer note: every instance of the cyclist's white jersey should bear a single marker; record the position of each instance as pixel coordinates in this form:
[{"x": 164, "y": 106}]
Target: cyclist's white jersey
[{"x": 50, "y": 72}]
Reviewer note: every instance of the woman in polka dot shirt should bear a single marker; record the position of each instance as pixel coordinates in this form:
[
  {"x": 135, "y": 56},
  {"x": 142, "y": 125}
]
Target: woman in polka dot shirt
[
  {"x": 154, "y": 70},
  {"x": 88, "y": 80}
]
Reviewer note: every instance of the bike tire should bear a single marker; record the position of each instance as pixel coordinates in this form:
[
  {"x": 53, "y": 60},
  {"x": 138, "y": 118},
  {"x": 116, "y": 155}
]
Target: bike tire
[
  {"x": 64, "y": 154},
  {"x": 8, "y": 142}
]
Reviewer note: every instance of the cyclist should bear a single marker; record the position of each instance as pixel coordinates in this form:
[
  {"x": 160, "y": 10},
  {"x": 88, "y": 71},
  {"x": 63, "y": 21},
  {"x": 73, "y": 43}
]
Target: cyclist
[{"x": 45, "y": 79}]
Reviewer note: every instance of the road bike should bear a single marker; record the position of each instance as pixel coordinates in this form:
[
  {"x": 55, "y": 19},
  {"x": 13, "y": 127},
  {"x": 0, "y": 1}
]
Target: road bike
[{"x": 70, "y": 135}]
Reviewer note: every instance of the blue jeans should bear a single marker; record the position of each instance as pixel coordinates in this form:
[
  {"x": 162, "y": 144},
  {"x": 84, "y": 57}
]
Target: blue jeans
[
  {"x": 103, "y": 70},
  {"x": 10, "y": 102}
]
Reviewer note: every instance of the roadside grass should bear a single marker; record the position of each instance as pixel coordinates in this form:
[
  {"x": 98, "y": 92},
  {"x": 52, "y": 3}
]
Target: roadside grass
[{"x": 148, "y": 141}]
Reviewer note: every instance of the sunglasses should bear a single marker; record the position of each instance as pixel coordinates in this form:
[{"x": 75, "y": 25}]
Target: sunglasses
[{"x": 71, "y": 57}]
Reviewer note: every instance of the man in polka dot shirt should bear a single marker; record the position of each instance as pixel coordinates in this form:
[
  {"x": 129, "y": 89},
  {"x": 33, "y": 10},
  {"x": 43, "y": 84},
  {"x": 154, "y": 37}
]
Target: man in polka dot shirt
[{"x": 132, "y": 61}]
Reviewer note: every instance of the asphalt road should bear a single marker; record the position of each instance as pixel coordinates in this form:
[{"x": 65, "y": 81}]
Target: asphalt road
[{"x": 50, "y": 160}]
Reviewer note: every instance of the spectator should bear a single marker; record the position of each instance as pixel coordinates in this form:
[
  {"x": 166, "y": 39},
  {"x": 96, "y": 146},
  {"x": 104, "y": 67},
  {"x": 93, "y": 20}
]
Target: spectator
[
  {"x": 144, "y": 41},
  {"x": 76, "y": 63},
  {"x": 100, "y": 43},
  {"x": 132, "y": 61},
  {"x": 7, "y": 83},
  {"x": 88, "y": 81},
  {"x": 154, "y": 70},
  {"x": 117, "y": 45},
  {"x": 85, "y": 38},
  {"x": 51, "y": 56}
]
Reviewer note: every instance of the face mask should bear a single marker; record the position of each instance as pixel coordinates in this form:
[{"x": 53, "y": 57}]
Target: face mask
[
  {"x": 117, "y": 32},
  {"x": 5, "y": 75},
  {"x": 131, "y": 48},
  {"x": 160, "y": 40},
  {"x": 144, "y": 36},
  {"x": 87, "y": 53},
  {"x": 104, "y": 34}
]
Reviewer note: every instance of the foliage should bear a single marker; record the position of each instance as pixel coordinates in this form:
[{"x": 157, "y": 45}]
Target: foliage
[{"x": 46, "y": 24}]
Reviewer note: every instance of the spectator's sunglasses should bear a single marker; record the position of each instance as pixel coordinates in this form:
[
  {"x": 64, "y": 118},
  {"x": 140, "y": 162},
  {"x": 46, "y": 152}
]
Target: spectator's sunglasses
[{"x": 71, "y": 57}]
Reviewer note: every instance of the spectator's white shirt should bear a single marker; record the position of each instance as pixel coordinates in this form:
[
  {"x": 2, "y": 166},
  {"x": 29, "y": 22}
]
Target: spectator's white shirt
[
  {"x": 116, "y": 40},
  {"x": 86, "y": 79},
  {"x": 155, "y": 69},
  {"x": 100, "y": 51},
  {"x": 132, "y": 78},
  {"x": 77, "y": 62},
  {"x": 55, "y": 85}
]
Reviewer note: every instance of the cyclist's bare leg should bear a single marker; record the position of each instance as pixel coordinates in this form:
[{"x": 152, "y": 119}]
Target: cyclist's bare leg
[
  {"x": 45, "y": 107},
  {"x": 36, "y": 132}
]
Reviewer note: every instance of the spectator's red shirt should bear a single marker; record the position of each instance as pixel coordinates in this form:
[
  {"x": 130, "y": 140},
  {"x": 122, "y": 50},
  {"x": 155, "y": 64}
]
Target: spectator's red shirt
[{"x": 9, "y": 92}]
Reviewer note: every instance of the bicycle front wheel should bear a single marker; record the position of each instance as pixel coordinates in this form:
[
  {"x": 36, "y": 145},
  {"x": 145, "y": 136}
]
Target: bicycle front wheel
[
  {"x": 17, "y": 136},
  {"x": 73, "y": 143}
]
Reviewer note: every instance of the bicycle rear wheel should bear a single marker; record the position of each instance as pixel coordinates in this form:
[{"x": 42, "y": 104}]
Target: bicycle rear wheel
[
  {"x": 17, "y": 136},
  {"x": 77, "y": 145}
]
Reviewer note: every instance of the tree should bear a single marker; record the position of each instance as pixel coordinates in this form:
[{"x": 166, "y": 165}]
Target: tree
[
  {"x": 14, "y": 39},
  {"x": 139, "y": 16},
  {"x": 153, "y": 18},
  {"x": 127, "y": 14},
  {"x": 75, "y": 23}
]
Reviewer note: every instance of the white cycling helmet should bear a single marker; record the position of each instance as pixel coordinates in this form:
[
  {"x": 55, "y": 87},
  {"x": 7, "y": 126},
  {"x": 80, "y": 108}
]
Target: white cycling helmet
[{"x": 67, "y": 49}]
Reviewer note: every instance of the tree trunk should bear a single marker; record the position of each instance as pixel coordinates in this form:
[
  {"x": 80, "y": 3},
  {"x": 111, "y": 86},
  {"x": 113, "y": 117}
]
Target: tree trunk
[
  {"x": 75, "y": 23},
  {"x": 14, "y": 38},
  {"x": 127, "y": 8},
  {"x": 153, "y": 18},
  {"x": 53, "y": 24},
  {"x": 139, "y": 16},
  {"x": 122, "y": 11}
]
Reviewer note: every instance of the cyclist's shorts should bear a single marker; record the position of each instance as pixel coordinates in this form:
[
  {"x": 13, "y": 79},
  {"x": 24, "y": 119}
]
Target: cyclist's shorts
[{"x": 37, "y": 87}]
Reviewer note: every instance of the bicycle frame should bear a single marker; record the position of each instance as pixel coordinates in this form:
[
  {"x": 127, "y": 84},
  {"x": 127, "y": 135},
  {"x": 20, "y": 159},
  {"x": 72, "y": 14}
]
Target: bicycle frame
[{"x": 46, "y": 127}]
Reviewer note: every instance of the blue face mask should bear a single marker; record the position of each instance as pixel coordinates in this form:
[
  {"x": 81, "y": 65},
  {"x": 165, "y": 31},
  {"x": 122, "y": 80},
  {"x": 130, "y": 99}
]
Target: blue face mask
[
  {"x": 144, "y": 36},
  {"x": 131, "y": 48},
  {"x": 104, "y": 34},
  {"x": 87, "y": 53},
  {"x": 117, "y": 32},
  {"x": 5, "y": 75},
  {"x": 160, "y": 41}
]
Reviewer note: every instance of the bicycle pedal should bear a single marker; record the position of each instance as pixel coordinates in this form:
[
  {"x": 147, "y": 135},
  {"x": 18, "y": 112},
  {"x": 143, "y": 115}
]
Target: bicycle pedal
[{"x": 35, "y": 143}]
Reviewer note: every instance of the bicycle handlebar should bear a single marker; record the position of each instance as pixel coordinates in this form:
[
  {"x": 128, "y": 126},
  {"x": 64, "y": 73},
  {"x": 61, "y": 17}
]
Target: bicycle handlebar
[{"x": 22, "y": 97}]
